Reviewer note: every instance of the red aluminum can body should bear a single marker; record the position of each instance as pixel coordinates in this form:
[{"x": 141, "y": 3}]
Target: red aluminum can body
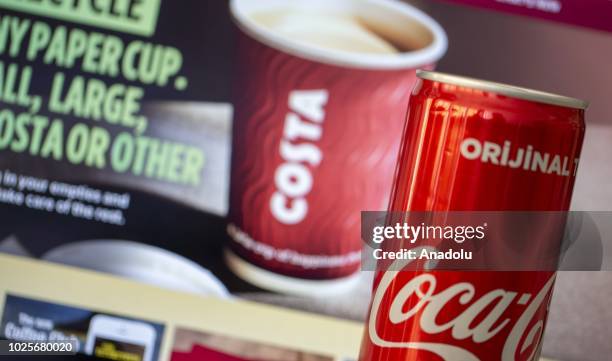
[{"x": 465, "y": 148}]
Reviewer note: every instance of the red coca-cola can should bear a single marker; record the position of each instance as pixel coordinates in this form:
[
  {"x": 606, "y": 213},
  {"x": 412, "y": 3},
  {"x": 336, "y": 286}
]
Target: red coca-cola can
[
  {"x": 472, "y": 145},
  {"x": 320, "y": 95}
]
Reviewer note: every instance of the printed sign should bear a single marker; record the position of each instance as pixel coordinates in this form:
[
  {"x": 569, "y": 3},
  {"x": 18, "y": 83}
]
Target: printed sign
[{"x": 105, "y": 336}]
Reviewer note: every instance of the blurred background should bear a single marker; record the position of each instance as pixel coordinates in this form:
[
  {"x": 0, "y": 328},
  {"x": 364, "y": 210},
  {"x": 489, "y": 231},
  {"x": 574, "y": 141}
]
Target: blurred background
[
  {"x": 486, "y": 44},
  {"x": 526, "y": 51}
]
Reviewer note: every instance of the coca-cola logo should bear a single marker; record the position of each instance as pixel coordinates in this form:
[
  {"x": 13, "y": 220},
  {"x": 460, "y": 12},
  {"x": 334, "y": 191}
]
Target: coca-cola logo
[{"x": 429, "y": 301}]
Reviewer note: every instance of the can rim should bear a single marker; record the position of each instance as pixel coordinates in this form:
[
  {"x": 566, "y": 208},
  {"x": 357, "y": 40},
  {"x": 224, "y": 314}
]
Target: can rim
[{"x": 504, "y": 89}]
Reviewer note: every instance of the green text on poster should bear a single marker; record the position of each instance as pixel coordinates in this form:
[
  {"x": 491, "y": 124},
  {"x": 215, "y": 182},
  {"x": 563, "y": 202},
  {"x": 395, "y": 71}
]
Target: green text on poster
[{"x": 130, "y": 16}]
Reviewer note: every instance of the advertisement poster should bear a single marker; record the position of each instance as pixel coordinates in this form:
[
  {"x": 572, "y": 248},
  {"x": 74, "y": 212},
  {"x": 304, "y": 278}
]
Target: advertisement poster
[
  {"x": 306, "y": 180},
  {"x": 110, "y": 123}
]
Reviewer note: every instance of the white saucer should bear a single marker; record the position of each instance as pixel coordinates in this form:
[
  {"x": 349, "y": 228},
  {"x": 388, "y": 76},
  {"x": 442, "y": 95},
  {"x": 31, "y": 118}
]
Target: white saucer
[{"x": 139, "y": 262}]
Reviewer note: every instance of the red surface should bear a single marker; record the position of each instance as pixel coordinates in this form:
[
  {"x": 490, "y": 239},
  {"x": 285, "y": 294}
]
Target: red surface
[
  {"x": 432, "y": 175},
  {"x": 202, "y": 353},
  {"x": 588, "y": 13}
]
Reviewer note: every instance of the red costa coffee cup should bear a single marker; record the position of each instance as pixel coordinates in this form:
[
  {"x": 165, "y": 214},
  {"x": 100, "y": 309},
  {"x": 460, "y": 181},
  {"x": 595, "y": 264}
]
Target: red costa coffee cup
[{"x": 320, "y": 95}]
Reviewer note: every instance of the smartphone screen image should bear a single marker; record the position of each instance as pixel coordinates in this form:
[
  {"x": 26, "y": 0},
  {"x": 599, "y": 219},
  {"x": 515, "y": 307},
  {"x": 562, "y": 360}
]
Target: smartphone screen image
[{"x": 120, "y": 339}]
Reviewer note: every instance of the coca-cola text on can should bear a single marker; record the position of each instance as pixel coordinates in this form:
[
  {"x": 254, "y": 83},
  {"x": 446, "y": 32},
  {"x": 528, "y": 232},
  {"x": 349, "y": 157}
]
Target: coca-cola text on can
[{"x": 471, "y": 145}]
